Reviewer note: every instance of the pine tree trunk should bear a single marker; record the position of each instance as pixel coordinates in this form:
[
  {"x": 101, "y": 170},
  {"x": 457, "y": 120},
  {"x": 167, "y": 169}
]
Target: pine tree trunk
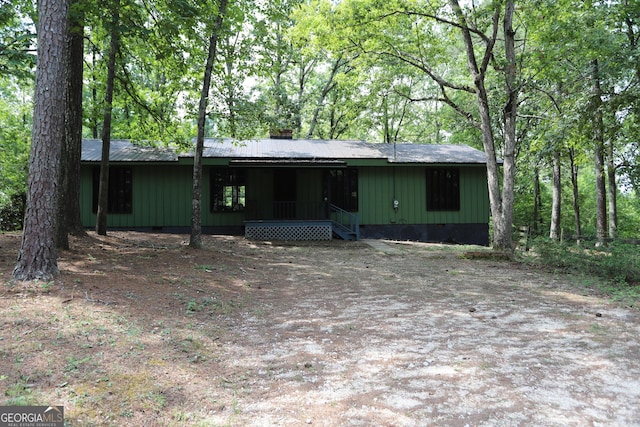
[
  {"x": 556, "y": 203},
  {"x": 103, "y": 192},
  {"x": 195, "y": 240},
  {"x": 62, "y": 234},
  {"x": 37, "y": 258},
  {"x": 69, "y": 197}
]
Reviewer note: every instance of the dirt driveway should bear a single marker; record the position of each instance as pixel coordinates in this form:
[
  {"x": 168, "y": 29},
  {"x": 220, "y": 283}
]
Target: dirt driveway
[{"x": 326, "y": 334}]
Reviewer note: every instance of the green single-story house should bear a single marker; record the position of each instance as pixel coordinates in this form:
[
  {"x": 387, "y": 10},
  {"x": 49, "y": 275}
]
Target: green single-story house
[{"x": 288, "y": 189}]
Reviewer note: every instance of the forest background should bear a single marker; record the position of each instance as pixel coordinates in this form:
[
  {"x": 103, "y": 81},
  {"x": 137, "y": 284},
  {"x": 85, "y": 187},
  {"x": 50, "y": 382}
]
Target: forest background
[{"x": 382, "y": 71}]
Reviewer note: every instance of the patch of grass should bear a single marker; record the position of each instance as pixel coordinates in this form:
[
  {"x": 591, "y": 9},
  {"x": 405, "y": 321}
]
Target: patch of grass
[
  {"x": 452, "y": 248},
  {"x": 193, "y": 306},
  {"x": 617, "y": 264},
  {"x": 73, "y": 363},
  {"x": 487, "y": 255},
  {"x": 19, "y": 393},
  {"x": 598, "y": 329},
  {"x": 118, "y": 395},
  {"x": 211, "y": 304}
]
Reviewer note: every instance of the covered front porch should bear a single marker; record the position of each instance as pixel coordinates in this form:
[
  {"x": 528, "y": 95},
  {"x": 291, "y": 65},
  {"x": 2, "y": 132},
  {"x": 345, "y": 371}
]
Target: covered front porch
[
  {"x": 283, "y": 201},
  {"x": 302, "y": 221}
]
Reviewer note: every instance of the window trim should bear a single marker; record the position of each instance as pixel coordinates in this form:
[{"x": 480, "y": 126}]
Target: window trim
[{"x": 220, "y": 180}]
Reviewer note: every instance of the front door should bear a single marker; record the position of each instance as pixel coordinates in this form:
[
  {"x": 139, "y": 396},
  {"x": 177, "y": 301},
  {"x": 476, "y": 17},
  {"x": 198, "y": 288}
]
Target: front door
[
  {"x": 284, "y": 194},
  {"x": 341, "y": 188}
]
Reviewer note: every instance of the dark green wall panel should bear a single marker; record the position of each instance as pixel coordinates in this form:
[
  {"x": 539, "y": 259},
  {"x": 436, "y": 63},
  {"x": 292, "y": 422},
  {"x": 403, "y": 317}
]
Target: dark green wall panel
[
  {"x": 379, "y": 186},
  {"x": 162, "y": 196}
]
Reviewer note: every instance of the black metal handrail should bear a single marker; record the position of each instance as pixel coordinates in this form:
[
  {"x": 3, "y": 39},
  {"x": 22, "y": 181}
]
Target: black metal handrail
[{"x": 287, "y": 210}]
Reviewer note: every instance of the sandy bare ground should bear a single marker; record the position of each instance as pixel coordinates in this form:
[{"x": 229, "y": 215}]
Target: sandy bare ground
[{"x": 324, "y": 334}]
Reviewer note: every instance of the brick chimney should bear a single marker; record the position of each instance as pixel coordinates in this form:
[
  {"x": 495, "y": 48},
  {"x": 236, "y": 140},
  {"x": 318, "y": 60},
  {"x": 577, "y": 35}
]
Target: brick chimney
[{"x": 281, "y": 134}]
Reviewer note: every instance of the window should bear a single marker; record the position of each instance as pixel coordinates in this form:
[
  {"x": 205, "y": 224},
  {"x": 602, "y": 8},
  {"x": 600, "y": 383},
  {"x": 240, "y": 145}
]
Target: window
[
  {"x": 342, "y": 188},
  {"x": 120, "y": 190},
  {"x": 443, "y": 189},
  {"x": 227, "y": 190}
]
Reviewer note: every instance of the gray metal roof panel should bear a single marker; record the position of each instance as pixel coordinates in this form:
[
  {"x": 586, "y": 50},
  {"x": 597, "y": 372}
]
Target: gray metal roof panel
[
  {"x": 433, "y": 153},
  {"x": 287, "y": 149},
  {"x": 125, "y": 151},
  {"x": 290, "y": 149}
]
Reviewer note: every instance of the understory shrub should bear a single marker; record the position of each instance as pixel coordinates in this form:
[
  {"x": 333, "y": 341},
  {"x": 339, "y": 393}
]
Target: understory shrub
[
  {"x": 615, "y": 261},
  {"x": 12, "y": 213}
]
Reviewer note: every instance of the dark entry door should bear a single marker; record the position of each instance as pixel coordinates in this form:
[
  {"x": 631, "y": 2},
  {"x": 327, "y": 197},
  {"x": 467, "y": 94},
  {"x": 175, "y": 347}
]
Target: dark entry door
[{"x": 284, "y": 194}]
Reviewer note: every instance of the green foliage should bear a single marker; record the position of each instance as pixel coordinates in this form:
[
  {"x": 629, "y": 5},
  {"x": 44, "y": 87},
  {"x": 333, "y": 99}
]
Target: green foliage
[
  {"x": 12, "y": 213},
  {"x": 17, "y": 56},
  {"x": 15, "y": 135},
  {"x": 627, "y": 201},
  {"x": 617, "y": 262}
]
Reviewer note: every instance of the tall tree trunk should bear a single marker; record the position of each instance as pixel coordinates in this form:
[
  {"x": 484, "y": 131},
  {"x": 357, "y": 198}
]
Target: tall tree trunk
[
  {"x": 599, "y": 147},
  {"x": 69, "y": 196},
  {"x": 103, "y": 192},
  {"x": 504, "y": 242},
  {"x": 195, "y": 240},
  {"x": 94, "y": 94},
  {"x": 304, "y": 70},
  {"x": 280, "y": 66},
  {"x": 576, "y": 193},
  {"x": 537, "y": 200},
  {"x": 37, "y": 258},
  {"x": 231, "y": 96},
  {"x": 631, "y": 22},
  {"x": 385, "y": 116},
  {"x": 328, "y": 87},
  {"x": 556, "y": 203},
  {"x": 612, "y": 192},
  {"x": 501, "y": 202}
]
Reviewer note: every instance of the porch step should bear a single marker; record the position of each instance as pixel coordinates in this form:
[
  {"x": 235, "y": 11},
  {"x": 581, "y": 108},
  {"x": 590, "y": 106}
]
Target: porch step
[{"x": 344, "y": 232}]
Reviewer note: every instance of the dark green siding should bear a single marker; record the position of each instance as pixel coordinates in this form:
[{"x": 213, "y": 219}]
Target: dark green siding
[
  {"x": 310, "y": 185},
  {"x": 162, "y": 195},
  {"x": 379, "y": 186}
]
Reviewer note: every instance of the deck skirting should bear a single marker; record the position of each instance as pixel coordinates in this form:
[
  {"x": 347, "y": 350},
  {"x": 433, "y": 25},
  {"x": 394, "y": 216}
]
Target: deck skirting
[{"x": 288, "y": 230}]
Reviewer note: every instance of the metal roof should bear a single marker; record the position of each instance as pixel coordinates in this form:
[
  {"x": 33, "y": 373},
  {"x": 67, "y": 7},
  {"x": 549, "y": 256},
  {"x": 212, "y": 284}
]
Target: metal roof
[
  {"x": 288, "y": 150},
  {"x": 124, "y": 151},
  {"x": 433, "y": 153}
]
